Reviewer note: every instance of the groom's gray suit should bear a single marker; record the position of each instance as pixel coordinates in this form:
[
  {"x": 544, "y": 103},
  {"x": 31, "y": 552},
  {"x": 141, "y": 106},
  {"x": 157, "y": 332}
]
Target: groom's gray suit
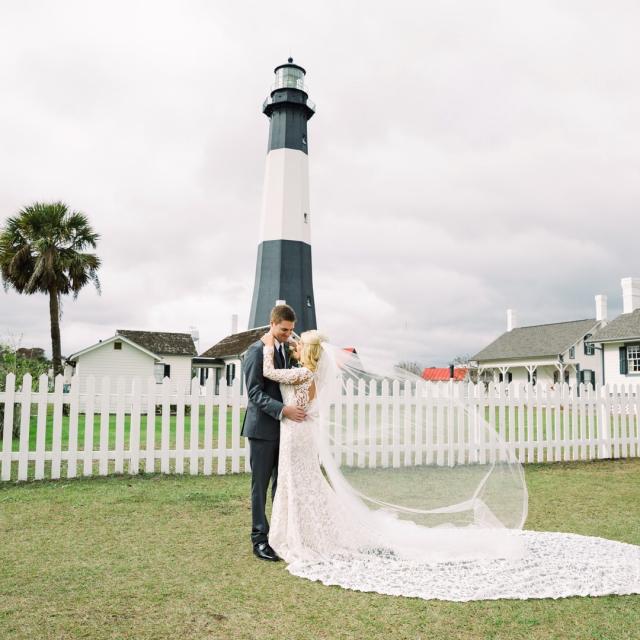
[{"x": 262, "y": 426}]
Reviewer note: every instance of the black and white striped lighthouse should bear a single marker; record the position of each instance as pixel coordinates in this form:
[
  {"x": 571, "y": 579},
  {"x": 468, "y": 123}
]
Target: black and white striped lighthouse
[{"x": 283, "y": 269}]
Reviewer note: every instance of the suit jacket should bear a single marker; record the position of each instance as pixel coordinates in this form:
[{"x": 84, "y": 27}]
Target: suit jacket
[{"x": 261, "y": 420}]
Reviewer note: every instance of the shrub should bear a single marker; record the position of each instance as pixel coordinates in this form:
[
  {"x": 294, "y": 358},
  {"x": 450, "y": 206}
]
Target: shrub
[{"x": 12, "y": 362}]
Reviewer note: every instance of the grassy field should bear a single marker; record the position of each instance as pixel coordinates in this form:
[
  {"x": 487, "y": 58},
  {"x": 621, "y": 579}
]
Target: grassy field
[
  {"x": 521, "y": 428},
  {"x": 155, "y": 557},
  {"x": 127, "y": 428}
]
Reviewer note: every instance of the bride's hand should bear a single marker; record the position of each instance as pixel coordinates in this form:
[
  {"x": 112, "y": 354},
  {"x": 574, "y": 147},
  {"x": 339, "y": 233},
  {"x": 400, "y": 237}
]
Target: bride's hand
[{"x": 267, "y": 340}]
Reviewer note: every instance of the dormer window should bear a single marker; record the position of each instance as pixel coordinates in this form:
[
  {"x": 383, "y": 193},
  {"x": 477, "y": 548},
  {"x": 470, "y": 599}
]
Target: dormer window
[{"x": 589, "y": 347}]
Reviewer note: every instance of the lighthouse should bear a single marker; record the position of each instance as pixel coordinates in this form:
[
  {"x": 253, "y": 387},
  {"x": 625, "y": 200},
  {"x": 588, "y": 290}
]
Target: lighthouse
[{"x": 283, "y": 268}]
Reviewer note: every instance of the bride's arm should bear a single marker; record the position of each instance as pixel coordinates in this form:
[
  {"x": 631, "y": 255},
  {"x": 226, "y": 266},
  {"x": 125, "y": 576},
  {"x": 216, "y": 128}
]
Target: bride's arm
[{"x": 284, "y": 376}]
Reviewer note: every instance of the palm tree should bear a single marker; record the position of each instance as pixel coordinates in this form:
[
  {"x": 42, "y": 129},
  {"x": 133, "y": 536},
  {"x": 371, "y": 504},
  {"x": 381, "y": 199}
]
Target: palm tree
[{"x": 42, "y": 251}]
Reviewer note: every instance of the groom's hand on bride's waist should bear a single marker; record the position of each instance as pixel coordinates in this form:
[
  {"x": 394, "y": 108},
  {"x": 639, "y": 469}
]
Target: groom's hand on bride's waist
[{"x": 291, "y": 411}]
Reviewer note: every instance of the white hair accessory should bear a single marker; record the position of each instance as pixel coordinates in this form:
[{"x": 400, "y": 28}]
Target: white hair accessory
[{"x": 313, "y": 337}]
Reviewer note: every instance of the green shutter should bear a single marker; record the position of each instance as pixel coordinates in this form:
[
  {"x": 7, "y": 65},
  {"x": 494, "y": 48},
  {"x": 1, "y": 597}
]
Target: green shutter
[{"x": 623, "y": 360}]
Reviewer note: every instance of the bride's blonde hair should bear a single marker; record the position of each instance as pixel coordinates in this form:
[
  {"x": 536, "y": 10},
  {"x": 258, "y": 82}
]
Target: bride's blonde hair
[{"x": 311, "y": 348}]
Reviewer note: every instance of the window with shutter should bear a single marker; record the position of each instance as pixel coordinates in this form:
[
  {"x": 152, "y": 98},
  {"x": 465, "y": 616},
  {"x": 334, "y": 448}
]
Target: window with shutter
[
  {"x": 587, "y": 376},
  {"x": 633, "y": 358},
  {"x": 623, "y": 360},
  {"x": 589, "y": 347}
]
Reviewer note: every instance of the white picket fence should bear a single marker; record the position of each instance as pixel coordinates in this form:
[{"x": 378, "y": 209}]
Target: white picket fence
[{"x": 387, "y": 424}]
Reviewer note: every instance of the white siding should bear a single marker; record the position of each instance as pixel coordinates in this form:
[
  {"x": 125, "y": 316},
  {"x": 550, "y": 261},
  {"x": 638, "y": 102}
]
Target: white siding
[
  {"x": 518, "y": 370},
  {"x": 612, "y": 366},
  {"x": 546, "y": 368},
  {"x": 519, "y": 373},
  {"x": 128, "y": 363},
  {"x": 594, "y": 362},
  {"x": 180, "y": 368}
]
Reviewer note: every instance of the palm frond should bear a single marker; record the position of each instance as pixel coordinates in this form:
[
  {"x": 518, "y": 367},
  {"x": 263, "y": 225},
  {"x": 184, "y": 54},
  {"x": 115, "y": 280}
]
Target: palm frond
[{"x": 42, "y": 250}]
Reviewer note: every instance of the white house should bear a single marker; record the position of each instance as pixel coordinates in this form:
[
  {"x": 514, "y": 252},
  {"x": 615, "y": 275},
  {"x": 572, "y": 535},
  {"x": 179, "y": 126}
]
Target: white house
[
  {"x": 546, "y": 353},
  {"x": 224, "y": 359},
  {"x": 135, "y": 355},
  {"x": 619, "y": 341}
]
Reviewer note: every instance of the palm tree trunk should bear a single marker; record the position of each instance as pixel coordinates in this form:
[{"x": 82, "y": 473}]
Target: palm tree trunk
[{"x": 54, "y": 312}]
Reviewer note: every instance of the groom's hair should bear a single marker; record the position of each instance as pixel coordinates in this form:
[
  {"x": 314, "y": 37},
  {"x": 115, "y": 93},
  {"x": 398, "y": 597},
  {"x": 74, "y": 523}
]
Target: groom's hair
[{"x": 282, "y": 312}]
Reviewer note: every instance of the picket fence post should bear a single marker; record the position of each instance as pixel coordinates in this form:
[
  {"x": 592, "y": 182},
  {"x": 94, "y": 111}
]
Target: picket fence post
[{"x": 7, "y": 428}]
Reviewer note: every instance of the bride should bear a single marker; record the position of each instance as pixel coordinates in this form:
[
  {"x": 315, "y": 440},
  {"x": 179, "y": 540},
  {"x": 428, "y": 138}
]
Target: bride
[{"x": 424, "y": 531}]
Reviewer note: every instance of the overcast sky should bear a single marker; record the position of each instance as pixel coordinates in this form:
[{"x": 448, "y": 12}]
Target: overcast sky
[{"x": 465, "y": 157}]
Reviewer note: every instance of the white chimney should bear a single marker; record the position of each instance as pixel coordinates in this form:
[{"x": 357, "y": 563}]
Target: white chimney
[
  {"x": 195, "y": 335},
  {"x": 234, "y": 324},
  {"x": 630, "y": 294},
  {"x": 279, "y": 302},
  {"x": 601, "y": 308},
  {"x": 512, "y": 319}
]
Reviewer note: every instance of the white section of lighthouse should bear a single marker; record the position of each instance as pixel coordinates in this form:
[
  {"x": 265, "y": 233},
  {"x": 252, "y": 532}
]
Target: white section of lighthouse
[{"x": 285, "y": 201}]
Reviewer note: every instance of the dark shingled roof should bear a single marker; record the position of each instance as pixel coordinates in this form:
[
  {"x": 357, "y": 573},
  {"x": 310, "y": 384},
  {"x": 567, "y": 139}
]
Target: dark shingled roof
[
  {"x": 31, "y": 353},
  {"x": 537, "y": 341},
  {"x": 235, "y": 344},
  {"x": 624, "y": 327},
  {"x": 162, "y": 343}
]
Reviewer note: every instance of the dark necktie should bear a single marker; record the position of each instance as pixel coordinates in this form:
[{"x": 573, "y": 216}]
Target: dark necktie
[{"x": 281, "y": 353}]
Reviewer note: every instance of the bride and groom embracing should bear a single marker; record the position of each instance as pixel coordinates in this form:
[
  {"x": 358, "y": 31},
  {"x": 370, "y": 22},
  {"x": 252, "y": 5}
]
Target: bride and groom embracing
[
  {"x": 282, "y": 424},
  {"x": 334, "y": 528},
  {"x": 262, "y": 422}
]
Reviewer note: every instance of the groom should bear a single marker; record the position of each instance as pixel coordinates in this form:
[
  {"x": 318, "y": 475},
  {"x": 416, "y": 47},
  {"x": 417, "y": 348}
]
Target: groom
[{"x": 261, "y": 424}]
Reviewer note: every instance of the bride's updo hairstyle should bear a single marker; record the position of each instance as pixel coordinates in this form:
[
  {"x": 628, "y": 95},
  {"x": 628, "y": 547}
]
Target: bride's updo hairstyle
[{"x": 311, "y": 348}]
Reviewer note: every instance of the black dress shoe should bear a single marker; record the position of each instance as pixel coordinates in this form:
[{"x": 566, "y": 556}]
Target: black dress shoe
[{"x": 263, "y": 551}]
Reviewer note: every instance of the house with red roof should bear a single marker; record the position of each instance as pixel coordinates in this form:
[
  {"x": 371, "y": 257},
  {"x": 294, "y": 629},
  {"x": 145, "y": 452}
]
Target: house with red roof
[{"x": 443, "y": 374}]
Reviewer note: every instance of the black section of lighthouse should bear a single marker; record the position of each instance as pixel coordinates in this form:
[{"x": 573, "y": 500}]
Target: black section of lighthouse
[{"x": 283, "y": 269}]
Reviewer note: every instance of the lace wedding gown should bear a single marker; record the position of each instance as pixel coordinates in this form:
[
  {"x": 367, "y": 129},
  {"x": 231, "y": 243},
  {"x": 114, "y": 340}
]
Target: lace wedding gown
[{"x": 324, "y": 538}]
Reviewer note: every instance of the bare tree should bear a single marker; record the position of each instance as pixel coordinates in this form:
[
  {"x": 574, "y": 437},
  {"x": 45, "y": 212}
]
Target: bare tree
[{"x": 411, "y": 367}]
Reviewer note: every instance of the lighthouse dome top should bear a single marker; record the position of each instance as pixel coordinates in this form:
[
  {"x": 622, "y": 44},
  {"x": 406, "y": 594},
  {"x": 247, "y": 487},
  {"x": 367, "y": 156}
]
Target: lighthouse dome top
[{"x": 289, "y": 76}]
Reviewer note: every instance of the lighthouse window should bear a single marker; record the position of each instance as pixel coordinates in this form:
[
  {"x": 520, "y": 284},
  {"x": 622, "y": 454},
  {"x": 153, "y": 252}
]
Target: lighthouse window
[
  {"x": 308, "y": 301},
  {"x": 306, "y": 218}
]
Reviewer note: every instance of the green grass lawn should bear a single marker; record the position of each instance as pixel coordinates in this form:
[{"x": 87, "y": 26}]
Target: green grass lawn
[
  {"x": 155, "y": 557},
  {"x": 521, "y": 430},
  {"x": 127, "y": 428}
]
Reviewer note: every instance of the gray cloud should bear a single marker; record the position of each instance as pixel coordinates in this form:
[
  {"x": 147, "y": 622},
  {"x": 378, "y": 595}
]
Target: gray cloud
[{"x": 465, "y": 157}]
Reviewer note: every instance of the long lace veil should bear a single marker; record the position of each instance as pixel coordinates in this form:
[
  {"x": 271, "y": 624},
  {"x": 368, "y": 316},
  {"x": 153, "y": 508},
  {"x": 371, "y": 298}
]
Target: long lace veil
[{"x": 421, "y": 464}]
